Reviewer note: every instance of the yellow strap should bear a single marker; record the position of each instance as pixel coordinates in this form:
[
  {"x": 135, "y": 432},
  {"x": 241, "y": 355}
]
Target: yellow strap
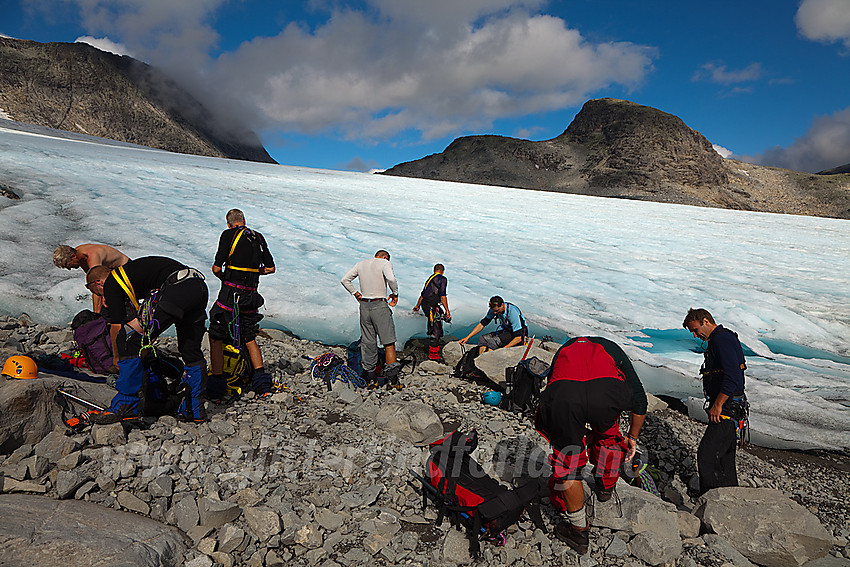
[
  {"x": 121, "y": 277},
  {"x": 429, "y": 281},
  {"x": 232, "y": 248},
  {"x": 235, "y": 241}
]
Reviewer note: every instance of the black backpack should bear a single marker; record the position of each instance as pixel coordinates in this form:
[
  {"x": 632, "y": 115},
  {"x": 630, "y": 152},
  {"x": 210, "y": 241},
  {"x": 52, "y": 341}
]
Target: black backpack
[
  {"x": 461, "y": 490},
  {"x": 523, "y": 384},
  {"x": 466, "y": 369}
]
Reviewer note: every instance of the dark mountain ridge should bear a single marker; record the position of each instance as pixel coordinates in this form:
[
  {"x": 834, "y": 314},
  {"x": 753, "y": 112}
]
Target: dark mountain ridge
[
  {"x": 78, "y": 88},
  {"x": 616, "y": 148}
]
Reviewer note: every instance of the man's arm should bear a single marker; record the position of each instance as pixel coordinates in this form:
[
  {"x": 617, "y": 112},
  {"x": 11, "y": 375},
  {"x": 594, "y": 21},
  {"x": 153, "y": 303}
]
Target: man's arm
[
  {"x": 96, "y": 302},
  {"x": 346, "y": 282},
  {"x": 418, "y": 303},
  {"x": 635, "y": 423},
  {"x": 514, "y": 341},
  {"x": 478, "y": 328},
  {"x": 218, "y": 272},
  {"x": 267, "y": 270},
  {"x": 114, "y": 329}
]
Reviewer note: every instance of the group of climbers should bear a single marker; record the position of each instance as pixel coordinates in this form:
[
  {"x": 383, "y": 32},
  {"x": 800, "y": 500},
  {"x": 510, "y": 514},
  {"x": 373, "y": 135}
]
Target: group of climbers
[
  {"x": 142, "y": 298},
  {"x": 589, "y": 384}
]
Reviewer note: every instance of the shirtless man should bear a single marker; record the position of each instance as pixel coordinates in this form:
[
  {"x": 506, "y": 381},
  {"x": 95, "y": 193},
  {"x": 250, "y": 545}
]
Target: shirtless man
[{"x": 87, "y": 256}]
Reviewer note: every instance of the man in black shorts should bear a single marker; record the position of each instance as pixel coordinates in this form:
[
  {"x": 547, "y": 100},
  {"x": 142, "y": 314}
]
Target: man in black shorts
[
  {"x": 242, "y": 257},
  {"x": 435, "y": 306},
  {"x": 591, "y": 381},
  {"x": 143, "y": 298}
]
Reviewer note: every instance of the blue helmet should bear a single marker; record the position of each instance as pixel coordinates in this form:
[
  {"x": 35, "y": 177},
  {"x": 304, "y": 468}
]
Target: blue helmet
[{"x": 491, "y": 398}]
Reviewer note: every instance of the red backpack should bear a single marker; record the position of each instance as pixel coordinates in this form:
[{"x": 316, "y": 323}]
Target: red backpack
[
  {"x": 582, "y": 360},
  {"x": 467, "y": 495}
]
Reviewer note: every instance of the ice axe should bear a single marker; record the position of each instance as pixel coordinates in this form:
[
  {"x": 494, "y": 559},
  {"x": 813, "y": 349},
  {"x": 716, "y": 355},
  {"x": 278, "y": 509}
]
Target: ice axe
[{"x": 74, "y": 398}]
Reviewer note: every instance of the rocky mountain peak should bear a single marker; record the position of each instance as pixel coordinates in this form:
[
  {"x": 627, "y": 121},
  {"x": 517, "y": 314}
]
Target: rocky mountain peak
[{"x": 78, "y": 88}]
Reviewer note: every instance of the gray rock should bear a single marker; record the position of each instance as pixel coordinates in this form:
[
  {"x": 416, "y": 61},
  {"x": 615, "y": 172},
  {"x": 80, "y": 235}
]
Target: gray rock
[
  {"x": 263, "y": 522},
  {"x": 36, "y": 466},
  {"x": 67, "y": 482},
  {"x": 309, "y": 536},
  {"x": 215, "y": 513},
  {"x": 9, "y": 485},
  {"x": 689, "y": 525},
  {"x": 452, "y": 353},
  {"x": 655, "y": 549},
  {"x": 829, "y": 561},
  {"x": 133, "y": 503},
  {"x": 112, "y": 435},
  {"x": 331, "y": 521},
  {"x": 456, "y": 548},
  {"x": 412, "y": 421},
  {"x": 617, "y": 548},
  {"x": 222, "y": 428},
  {"x": 161, "y": 486},
  {"x": 70, "y": 461},
  {"x": 55, "y": 445},
  {"x": 723, "y": 548},
  {"x": 434, "y": 367},
  {"x": 41, "y": 531},
  {"x": 84, "y": 489},
  {"x": 185, "y": 513},
  {"x": 230, "y": 537},
  {"x": 764, "y": 525}
]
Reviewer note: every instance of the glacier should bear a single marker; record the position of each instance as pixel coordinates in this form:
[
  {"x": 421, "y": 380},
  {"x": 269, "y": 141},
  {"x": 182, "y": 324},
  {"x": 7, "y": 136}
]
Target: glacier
[{"x": 576, "y": 265}]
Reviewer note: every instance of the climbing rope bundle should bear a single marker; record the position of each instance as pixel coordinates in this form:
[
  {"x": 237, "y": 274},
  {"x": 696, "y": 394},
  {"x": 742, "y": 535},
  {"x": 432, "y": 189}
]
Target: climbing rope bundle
[{"x": 330, "y": 367}]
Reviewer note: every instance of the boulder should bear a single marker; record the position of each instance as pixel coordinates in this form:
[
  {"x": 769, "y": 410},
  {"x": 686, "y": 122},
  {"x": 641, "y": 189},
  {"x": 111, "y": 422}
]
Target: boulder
[
  {"x": 642, "y": 513},
  {"x": 764, "y": 525},
  {"x": 493, "y": 362},
  {"x": 43, "y": 531},
  {"x": 112, "y": 434},
  {"x": 30, "y": 409},
  {"x": 411, "y": 421}
]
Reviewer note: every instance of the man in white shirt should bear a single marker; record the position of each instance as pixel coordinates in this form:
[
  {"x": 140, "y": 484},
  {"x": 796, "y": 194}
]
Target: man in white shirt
[{"x": 376, "y": 317}]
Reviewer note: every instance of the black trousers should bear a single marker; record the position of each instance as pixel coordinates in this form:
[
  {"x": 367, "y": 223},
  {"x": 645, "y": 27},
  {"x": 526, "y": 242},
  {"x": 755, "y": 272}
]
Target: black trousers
[{"x": 716, "y": 456}]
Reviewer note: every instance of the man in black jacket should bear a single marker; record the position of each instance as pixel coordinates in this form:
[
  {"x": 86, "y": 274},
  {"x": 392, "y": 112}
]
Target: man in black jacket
[
  {"x": 723, "y": 384},
  {"x": 242, "y": 257}
]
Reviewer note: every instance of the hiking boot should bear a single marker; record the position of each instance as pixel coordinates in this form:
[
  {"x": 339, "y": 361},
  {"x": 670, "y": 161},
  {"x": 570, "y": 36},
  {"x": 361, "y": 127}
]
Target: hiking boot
[
  {"x": 577, "y": 538},
  {"x": 603, "y": 494}
]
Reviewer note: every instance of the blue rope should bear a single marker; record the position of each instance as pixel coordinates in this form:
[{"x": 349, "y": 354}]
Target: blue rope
[{"x": 341, "y": 372}]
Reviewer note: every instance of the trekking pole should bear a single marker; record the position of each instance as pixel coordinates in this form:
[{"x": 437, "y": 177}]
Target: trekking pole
[
  {"x": 74, "y": 398},
  {"x": 528, "y": 348}
]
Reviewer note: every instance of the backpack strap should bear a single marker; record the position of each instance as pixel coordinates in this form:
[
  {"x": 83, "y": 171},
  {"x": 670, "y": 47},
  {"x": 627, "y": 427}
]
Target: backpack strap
[
  {"x": 121, "y": 277},
  {"x": 233, "y": 247}
]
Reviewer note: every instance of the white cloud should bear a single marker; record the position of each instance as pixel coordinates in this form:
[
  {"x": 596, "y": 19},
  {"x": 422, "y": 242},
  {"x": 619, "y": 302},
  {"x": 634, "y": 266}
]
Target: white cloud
[
  {"x": 376, "y": 78},
  {"x": 722, "y": 151},
  {"x": 718, "y": 73},
  {"x": 824, "y": 20},
  {"x": 824, "y": 146},
  {"x": 439, "y": 67},
  {"x": 104, "y": 44}
]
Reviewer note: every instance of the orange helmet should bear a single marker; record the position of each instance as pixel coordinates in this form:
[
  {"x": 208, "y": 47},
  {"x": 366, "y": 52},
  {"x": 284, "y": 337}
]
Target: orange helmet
[{"x": 20, "y": 366}]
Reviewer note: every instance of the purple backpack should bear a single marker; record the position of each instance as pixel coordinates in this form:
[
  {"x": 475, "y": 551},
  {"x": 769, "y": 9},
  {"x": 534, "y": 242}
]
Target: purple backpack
[{"x": 91, "y": 333}]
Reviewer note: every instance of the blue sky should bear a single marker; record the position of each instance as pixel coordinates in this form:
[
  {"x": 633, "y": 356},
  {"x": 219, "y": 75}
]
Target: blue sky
[{"x": 369, "y": 84}]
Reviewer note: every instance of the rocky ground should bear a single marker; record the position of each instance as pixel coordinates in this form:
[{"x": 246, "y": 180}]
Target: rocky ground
[{"x": 317, "y": 477}]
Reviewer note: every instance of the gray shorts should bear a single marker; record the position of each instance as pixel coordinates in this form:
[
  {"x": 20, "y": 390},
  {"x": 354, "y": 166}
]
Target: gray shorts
[
  {"x": 495, "y": 340},
  {"x": 376, "y": 320}
]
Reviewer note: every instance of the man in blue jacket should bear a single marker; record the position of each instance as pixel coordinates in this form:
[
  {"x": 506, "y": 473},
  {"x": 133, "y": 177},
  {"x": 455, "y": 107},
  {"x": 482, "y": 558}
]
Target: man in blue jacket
[
  {"x": 723, "y": 384},
  {"x": 512, "y": 328}
]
